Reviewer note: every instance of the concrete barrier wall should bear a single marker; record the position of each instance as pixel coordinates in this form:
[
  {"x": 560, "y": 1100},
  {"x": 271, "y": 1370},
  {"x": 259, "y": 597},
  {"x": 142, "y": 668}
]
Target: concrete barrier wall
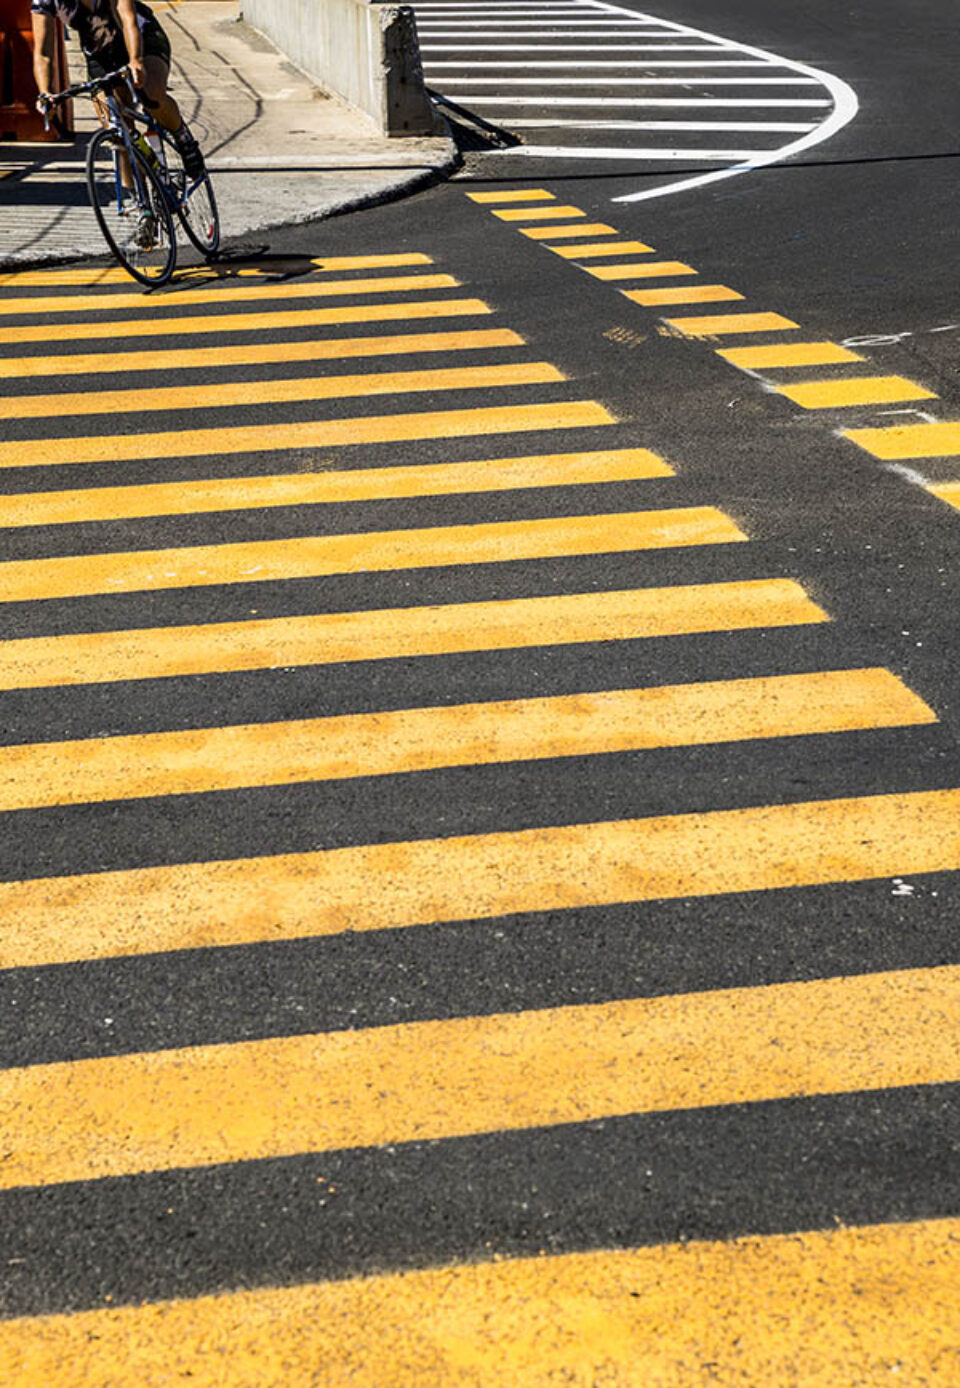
[{"x": 366, "y": 53}]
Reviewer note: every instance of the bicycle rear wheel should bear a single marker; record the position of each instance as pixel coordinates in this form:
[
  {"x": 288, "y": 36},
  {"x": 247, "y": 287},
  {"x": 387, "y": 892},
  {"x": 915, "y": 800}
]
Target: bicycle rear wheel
[
  {"x": 138, "y": 229},
  {"x": 196, "y": 203}
]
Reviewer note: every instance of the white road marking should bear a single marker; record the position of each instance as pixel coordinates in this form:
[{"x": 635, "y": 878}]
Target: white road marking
[
  {"x": 539, "y": 29},
  {"x": 644, "y": 63},
  {"x": 748, "y": 126}
]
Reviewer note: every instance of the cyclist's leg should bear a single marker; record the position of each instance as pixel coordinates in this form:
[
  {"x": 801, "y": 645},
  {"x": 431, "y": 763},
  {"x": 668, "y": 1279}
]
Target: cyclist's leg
[{"x": 154, "y": 94}]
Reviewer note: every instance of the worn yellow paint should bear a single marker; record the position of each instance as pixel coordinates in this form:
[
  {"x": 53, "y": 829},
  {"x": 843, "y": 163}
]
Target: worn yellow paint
[
  {"x": 205, "y": 1105},
  {"x": 199, "y": 760},
  {"x": 854, "y": 390},
  {"x": 787, "y": 354},
  {"x": 327, "y": 263},
  {"x": 718, "y": 325},
  {"x": 868, "y": 1306},
  {"x": 250, "y": 322},
  {"x": 935, "y": 440},
  {"x": 682, "y": 294},
  {"x": 280, "y": 390},
  {"x": 317, "y": 488},
  {"x": 327, "y": 638},
  {"x": 187, "y": 298},
  {"x": 321, "y": 433},
  {"x": 517, "y": 195},
  {"x": 557, "y": 233},
  {"x": 391, "y": 886},
  {"x": 108, "y": 275},
  {"x": 602, "y": 248},
  {"x": 257, "y": 353},
  {"x": 312, "y": 556},
  {"x": 529, "y": 214},
  {"x": 647, "y": 269},
  {"x": 948, "y": 492}
]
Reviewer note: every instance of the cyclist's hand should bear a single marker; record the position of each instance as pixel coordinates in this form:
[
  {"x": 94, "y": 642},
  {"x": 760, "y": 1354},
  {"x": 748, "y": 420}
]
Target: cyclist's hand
[
  {"x": 44, "y": 103},
  {"x": 137, "y": 71}
]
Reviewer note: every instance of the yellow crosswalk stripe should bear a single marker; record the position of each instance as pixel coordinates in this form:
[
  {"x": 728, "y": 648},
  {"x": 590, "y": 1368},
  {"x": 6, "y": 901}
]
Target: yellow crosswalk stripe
[
  {"x": 529, "y": 214},
  {"x": 257, "y": 354},
  {"x": 250, "y": 322},
  {"x": 556, "y": 233},
  {"x": 311, "y": 289},
  {"x": 282, "y": 390},
  {"x": 717, "y": 325},
  {"x": 248, "y": 1101},
  {"x": 328, "y": 638},
  {"x": 934, "y": 440},
  {"x": 862, "y": 390},
  {"x": 654, "y": 1315},
  {"x": 321, "y": 433},
  {"x": 195, "y": 761},
  {"x": 686, "y": 294},
  {"x": 324, "y": 488},
  {"x": 390, "y": 886},
  {"x": 646, "y": 269},
  {"x": 313, "y": 556},
  {"x": 788, "y": 354},
  {"x": 948, "y": 492},
  {"x": 17, "y": 279},
  {"x": 601, "y": 248},
  {"x": 518, "y": 195}
]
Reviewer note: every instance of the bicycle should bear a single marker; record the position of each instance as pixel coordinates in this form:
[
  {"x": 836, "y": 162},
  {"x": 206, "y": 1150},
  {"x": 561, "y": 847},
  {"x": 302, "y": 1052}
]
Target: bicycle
[{"x": 138, "y": 185}]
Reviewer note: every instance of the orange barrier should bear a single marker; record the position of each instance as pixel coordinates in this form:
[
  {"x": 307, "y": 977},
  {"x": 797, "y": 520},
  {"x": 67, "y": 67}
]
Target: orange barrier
[{"x": 19, "y": 118}]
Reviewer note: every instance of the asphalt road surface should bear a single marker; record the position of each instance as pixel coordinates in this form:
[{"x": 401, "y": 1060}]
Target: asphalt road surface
[{"x": 480, "y": 783}]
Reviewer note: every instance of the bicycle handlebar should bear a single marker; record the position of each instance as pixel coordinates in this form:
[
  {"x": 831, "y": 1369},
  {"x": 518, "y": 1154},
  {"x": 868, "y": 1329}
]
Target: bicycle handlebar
[{"x": 51, "y": 100}]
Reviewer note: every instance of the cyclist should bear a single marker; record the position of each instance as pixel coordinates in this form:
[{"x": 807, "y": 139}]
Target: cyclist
[{"x": 115, "y": 34}]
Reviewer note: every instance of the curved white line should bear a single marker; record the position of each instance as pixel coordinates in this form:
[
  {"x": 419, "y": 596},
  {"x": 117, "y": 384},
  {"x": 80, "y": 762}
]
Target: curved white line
[{"x": 845, "y": 107}]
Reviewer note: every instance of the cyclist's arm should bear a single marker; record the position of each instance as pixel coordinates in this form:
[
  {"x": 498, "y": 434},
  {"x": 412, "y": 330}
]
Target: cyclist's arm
[
  {"x": 44, "y": 36},
  {"x": 131, "y": 37}
]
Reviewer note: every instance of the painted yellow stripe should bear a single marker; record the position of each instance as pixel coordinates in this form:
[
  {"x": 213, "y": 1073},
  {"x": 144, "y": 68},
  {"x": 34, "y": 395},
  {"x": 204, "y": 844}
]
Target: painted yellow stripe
[
  {"x": 633, "y": 614},
  {"x": 106, "y": 275},
  {"x": 517, "y": 195},
  {"x": 284, "y": 390},
  {"x": 556, "y": 233},
  {"x": 529, "y": 214},
  {"x": 842, "y": 1306},
  {"x": 862, "y": 390},
  {"x": 788, "y": 354},
  {"x": 392, "y": 886},
  {"x": 318, "y": 488},
  {"x": 717, "y": 325},
  {"x": 216, "y": 324},
  {"x": 322, "y": 433},
  {"x": 327, "y": 263},
  {"x": 948, "y": 492},
  {"x": 312, "y": 556},
  {"x": 257, "y": 354},
  {"x": 311, "y": 289},
  {"x": 248, "y": 1101},
  {"x": 197, "y": 761},
  {"x": 685, "y": 294},
  {"x": 599, "y": 248},
  {"x": 647, "y": 269},
  {"x": 937, "y": 440}
]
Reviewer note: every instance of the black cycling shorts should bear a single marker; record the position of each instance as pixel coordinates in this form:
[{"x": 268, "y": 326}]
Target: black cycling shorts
[{"x": 153, "y": 44}]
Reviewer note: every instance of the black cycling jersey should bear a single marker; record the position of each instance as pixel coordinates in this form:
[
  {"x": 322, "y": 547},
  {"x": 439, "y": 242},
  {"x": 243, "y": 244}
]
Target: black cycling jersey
[{"x": 98, "y": 28}]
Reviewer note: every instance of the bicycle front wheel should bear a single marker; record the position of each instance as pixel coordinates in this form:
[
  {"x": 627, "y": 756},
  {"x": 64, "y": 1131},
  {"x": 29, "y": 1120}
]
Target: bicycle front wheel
[
  {"x": 196, "y": 204},
  {"x": 131, "y": 209}
]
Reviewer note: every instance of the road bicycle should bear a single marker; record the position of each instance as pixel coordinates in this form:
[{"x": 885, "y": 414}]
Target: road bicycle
[{"x": 138, "y": 185}]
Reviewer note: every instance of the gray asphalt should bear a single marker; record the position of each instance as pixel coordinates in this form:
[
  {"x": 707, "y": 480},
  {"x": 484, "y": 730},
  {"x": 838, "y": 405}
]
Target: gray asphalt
[{"x": 856, "y": 239}]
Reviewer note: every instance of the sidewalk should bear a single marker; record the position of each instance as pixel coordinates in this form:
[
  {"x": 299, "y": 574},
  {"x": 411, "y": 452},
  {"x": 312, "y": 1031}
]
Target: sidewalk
[{"x": 281, "y": 150}]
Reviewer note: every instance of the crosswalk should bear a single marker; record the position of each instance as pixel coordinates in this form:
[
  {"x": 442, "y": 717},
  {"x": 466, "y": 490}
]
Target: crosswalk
[
  {"x": 352, "y": 760},
  {"x": 593, "y": 81}
]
